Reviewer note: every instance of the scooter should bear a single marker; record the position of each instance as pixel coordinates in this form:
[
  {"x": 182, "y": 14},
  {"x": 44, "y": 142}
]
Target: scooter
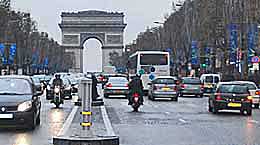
[
  {"x": 57, "y": 100},
  {"x": 136, "y": 102}
]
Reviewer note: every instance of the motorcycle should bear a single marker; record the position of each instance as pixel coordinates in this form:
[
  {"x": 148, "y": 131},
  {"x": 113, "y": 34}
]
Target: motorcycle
[
  {"x": 136, "y": 101},
  {"x": 57, "y": 100}
]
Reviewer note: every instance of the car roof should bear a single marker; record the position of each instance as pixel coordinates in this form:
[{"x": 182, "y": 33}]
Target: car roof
[
  {"x": 166, "y": 77},
  {"x": 231, "y": 83},
  {"x": 247, "y": 82},
  {"x": 18, "y": 77},
  {"x": 210, "y": 75}
]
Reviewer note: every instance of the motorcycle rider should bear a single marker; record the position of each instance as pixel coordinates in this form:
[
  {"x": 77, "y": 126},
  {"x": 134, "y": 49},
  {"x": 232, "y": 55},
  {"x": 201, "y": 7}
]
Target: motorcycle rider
[
  {"x": 57, "y": 81},
  {"x": 135, "y": 86}
]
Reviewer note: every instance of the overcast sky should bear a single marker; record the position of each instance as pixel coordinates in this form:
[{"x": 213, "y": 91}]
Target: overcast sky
[{"x": 138, "y": 13}]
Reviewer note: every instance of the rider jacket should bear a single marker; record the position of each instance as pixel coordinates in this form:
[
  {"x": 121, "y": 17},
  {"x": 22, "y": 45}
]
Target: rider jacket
[{"x": 57, "y": 82}]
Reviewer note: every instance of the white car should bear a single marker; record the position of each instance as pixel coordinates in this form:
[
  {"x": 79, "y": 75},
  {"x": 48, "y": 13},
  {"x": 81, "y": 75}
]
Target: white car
[{"x": 254, "y": 92}]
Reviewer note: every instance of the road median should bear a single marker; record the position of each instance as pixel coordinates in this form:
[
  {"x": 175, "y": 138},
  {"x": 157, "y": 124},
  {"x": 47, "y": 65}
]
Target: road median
[{"x": 100, "y": 133}]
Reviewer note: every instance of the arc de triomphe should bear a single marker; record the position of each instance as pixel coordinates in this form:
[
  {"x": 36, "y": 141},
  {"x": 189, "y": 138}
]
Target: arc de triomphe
[{"x": 78, "y": 27}]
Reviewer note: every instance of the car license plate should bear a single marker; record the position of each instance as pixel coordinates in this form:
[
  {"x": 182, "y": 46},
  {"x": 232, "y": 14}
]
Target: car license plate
[
  {"x": 6, "y": 116},
  {"x": 234, "y": 105},
  {"x": 166, "y": 89}
]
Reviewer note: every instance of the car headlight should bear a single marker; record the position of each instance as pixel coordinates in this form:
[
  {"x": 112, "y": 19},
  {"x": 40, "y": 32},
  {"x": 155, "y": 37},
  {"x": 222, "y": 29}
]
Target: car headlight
[
  {"x": 48, "y": 87},
  {"x": 56, "y": 90},
  {"x": 68, "y": 88},
  {"x": 25, "y": 106}
]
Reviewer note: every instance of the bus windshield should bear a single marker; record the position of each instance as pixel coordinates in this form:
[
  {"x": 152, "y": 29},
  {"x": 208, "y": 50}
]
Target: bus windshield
[{"x": 154, "y": 59}]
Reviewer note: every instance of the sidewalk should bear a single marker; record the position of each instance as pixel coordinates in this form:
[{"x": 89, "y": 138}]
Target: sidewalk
[{"x": 101, "y": 132}]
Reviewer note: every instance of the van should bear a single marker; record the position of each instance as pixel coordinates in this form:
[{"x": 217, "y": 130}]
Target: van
[{"x": 209, "y": 81}]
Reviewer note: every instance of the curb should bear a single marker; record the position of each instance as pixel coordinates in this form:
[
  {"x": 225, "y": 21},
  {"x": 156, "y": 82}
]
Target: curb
[{"x": 114, "y": 140}]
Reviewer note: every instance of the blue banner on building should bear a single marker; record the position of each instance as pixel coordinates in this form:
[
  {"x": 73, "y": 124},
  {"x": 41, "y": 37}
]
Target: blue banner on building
[
  {"x": 251, "y": 41},
  {"x": 12, "y": 53},
  {"x": 233, "y": 43},
  {"x": 2, "y": 49},
  {"x": 194, "y": 53}
]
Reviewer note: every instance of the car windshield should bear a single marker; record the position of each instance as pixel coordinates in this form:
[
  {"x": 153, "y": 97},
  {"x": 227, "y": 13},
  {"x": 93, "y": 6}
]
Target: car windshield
[
  {"x": 36, "y": 80},
  {"x": 15, "y": 86},
  {"x": 251, "y": 86},
  {"x": 164, "y": 81},
  {"x": 117, "y": 80},
  {"x": 191, "y": 81},
  {"x": 231, "y": 88},
  {"x": 209, "y": 79}
]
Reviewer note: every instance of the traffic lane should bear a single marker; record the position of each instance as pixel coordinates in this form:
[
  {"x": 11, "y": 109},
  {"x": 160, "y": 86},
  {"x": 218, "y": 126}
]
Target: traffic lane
[
  {"x": 52, "y": 120},
  {"x": 185, "y": 122}
]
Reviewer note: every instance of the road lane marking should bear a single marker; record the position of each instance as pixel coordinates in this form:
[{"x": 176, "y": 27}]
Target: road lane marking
[
  {"x": 182, "y": 120},
  {"x": 109, "y": 128},
  {"x": 68, "y": 121},
  {"x": 253, "y": 121}
]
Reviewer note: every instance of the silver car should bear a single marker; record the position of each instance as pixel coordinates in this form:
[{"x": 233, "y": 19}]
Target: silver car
[
  {"x": 163, "y": 87},
  {"x": 116, "y": 86}
]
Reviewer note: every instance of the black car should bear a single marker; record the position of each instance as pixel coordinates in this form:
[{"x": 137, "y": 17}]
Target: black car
[
  {"x": 231, "y": 96},
  {"x": 20, "y": 105},
  {"x": 66, "y": 91}
]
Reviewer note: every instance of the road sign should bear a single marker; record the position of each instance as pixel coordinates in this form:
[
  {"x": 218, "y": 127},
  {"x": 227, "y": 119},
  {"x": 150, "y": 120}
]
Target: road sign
[
  {"x": 255, "y": 59},
  {"x": 151, "y": 76},
  {"x": 141, "y": 72}
]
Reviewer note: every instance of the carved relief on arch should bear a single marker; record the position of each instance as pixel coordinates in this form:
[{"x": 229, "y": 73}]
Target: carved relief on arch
[{"x": 85, "y": 36}]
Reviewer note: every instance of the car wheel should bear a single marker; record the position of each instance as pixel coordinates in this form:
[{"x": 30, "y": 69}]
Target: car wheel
[
  {"x": 38, "y": 119},
  {"x": 105, "y": 95},
  {"x": 210, "y": 108},
  {"x": 152, "y": 98},
  {"x": 249, "y": 112},
  {"x": 33, "y": 123},
  {"x": 215, "y": 109},
  {"x": 256, "y": 106},
  {"x": 175, "y": 99},
  {"x": 201, "y": 95}
]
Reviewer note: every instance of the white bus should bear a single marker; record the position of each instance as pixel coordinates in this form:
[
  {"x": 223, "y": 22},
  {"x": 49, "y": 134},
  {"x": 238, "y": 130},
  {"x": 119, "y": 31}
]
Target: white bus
[{"x": 150, "y": 64}]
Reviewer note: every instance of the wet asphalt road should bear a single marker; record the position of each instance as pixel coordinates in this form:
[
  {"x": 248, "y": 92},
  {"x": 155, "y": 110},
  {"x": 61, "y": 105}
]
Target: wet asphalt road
[
  {"x": 186, "y": 122},
  {"x": 52, "y": 120}
]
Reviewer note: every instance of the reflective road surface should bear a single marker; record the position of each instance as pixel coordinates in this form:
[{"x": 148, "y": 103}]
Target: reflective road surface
[{"x": 52, "y": 120}]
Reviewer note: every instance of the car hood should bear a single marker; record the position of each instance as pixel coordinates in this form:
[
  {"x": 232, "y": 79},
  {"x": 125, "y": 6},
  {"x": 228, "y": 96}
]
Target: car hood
[{"x": 13, "y": 100}]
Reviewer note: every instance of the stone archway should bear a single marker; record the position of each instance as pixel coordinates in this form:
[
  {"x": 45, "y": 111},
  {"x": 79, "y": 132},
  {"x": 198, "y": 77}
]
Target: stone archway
[
  {"x": 92, "y": 46},
  {"x": 78, "y": 27}
]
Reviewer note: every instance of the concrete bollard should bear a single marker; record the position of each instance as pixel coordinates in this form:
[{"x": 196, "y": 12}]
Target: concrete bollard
[{"x": 85, "y": 92}]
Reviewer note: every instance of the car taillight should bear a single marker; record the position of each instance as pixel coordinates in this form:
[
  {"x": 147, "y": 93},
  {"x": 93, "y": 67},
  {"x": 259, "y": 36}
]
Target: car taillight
[
  {"x": 257, "y": 92},
  {"x": 218, "y": 97},
  {"x": 202, "y": 86},
  {"x": 249, "y": 98},
  {"x": 136, "y": 95},
  {"x": 126, "y": 85},
  {"x": 183, "y": 86},
  {"x": 175, "y": 88},
  {"x": 109, "y": 85}
]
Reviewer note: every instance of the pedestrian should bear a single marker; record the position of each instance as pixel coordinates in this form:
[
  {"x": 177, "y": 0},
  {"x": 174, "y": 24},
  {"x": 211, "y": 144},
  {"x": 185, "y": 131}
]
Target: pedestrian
[{"x": 95, "y": 94}]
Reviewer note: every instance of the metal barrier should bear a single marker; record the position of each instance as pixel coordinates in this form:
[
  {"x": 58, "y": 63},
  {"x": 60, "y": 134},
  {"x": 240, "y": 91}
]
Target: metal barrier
[{"x": 85, "y": 92}]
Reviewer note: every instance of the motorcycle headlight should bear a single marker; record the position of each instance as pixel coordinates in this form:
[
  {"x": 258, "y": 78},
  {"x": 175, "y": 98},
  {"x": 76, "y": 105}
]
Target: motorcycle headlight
[
  {"x": 56, "y": 90},
  {"x": 48, "y": 87},
  {"x": 25, "y": 106}
]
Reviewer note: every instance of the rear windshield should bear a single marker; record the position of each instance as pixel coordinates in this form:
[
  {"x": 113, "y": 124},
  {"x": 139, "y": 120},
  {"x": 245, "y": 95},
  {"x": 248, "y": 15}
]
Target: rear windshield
[
  {"x": 230, "y": 88},
  {"x": 118, "y": 79},
  {"x": 164, "y": 81},
  {"x": 191, "y": 81},
  {"x": 251, "y": 86},
  {"x": 209, "y": 79}
]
